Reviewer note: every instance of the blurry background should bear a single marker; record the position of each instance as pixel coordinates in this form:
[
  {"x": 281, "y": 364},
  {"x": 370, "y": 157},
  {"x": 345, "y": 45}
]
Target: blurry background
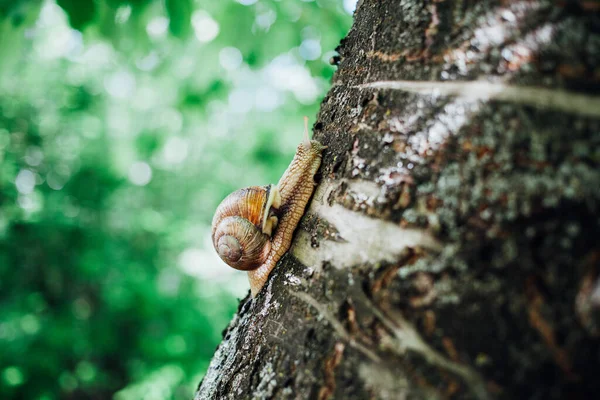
[{"x": 122, "y": 126}]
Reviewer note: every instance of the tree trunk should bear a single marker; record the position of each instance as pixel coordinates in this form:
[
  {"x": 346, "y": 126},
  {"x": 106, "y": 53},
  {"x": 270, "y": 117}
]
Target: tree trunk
[{"x": 452, "y": 247}]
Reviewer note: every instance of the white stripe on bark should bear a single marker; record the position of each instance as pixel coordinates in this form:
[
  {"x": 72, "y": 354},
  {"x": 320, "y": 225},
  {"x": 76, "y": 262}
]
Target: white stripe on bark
[{"x": 539, "y": 97}]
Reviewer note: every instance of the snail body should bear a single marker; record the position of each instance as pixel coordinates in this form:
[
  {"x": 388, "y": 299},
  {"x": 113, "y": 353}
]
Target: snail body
[{"x": 253, "y": 227}]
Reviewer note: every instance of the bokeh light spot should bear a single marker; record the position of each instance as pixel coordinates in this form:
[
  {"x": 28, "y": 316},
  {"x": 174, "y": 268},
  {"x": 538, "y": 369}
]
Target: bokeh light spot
[
  {"x": 85, "y": 371},
  {"x": 13, "y": 376},
  {"x": 82, "y": 308},
  {"x": 241, "y": 101},
  {"x": 230, "y": 58},
  {"x": 30, "y": 324},
  {"x": 67, "y": 381},
  {"x": 123, "y": 13},
  {"x": 31, "y": 202},
  {"x": 204, "y": 264},
  {"x": 205, "y": 27},
  {"x": 157, "y": 27},
  {"x": 265, "y": 19},
  {"x": 121, "y": 84},
  {"x": 175, "y": 345},
  {"x": 267, "y": 99},
  {"x": 34, "y": 156},
  {"x": 140, "y": 173},
  {"x": 310, "y": 49},
  {"x": 58, "y": 177},
  {"x": 175, "y": 150},
  {"x": 25, "y": 181},
  {"x": 350, "y": 6},
  {"x": 149, "y": 62}
]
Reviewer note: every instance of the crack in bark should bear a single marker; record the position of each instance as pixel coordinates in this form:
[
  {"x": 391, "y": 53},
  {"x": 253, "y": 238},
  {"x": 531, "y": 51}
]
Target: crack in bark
[
  {"x": 407, "y": 337},
  {"x": 404, "y": 337},
  {"x": 335, "y": 324}
]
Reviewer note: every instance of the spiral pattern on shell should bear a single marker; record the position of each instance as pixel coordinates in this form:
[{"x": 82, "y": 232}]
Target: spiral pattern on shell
[{"x": 239, "y": 226}]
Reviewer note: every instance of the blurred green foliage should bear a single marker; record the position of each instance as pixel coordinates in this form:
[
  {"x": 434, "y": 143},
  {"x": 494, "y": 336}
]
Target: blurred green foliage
[{"x": 122, "y": 126}]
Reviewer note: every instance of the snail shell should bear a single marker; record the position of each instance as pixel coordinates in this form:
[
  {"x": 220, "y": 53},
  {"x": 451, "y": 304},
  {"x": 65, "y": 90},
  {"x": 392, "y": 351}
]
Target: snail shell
[
  {"x": 243, "y": 224},
  {"x": 253, "y": 227}
]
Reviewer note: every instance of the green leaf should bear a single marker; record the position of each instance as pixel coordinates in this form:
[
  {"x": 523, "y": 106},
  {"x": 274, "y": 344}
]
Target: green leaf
[
  {"x": 180, "y": 13},
  {"x": 80, "y": 12}
]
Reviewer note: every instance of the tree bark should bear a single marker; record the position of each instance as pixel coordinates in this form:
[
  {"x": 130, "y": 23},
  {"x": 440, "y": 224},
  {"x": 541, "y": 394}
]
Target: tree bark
[{"x": 452, "y": 247}]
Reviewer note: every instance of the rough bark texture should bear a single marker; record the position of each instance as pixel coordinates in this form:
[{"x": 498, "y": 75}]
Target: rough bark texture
[{"x": 452, "y": 249}]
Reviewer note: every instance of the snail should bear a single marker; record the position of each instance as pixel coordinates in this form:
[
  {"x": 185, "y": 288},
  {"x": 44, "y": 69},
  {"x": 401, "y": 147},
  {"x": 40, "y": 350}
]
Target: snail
[{"x": 253, "y": 227}]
